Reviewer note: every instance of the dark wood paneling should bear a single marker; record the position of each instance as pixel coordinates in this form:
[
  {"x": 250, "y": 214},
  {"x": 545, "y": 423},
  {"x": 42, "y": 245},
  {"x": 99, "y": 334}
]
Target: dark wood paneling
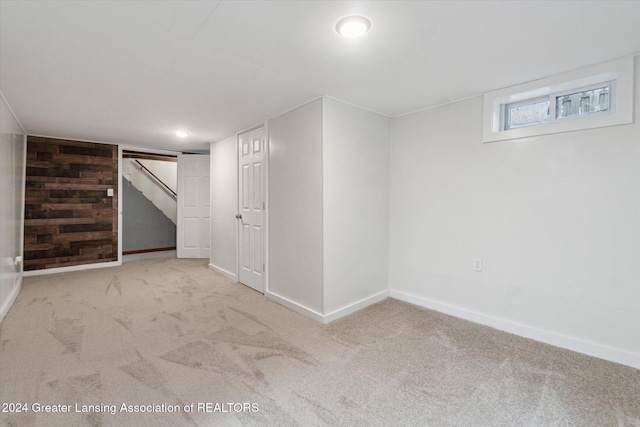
[{"x": 69, "y": 220}]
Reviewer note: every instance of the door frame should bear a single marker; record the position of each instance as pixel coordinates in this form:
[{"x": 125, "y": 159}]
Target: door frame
[
  {"x": 122, "y": 148},
  {"x": 128, "y": 154}
]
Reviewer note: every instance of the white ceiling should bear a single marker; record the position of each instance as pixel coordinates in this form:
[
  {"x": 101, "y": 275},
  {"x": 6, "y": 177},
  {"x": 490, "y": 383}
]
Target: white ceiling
[{"x": 132, "y": 71}]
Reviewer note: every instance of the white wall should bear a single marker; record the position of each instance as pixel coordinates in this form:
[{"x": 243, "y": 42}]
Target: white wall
[
  {"x": 328, "y": 208},
  {"x": 295, "y": 207},
  {"x": 12, "y": 168},
  {"x": 224, "y": 207},
  {"x": 355, "y": 165},
  {"x": 556, "y": 220}
]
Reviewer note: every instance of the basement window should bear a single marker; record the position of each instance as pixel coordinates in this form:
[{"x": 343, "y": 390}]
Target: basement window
[
  {"x": 593, "y": 97},
  {"x": 583, "y": 103},
  {"x": 530, "y": 112},
  {"x": 547, "y": 109}
]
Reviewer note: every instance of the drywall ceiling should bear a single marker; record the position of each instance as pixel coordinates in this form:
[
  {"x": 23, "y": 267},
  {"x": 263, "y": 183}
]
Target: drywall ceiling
[{"x": 132, "y": 71}]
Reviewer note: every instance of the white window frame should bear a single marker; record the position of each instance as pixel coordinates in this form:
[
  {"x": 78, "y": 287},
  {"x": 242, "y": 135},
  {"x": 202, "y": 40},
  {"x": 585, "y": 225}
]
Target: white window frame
[{"x": 618, "y": 74}]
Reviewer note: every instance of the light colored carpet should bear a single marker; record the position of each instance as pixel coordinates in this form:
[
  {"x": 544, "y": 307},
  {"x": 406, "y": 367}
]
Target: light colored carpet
[{"x": 173, "y": 332}]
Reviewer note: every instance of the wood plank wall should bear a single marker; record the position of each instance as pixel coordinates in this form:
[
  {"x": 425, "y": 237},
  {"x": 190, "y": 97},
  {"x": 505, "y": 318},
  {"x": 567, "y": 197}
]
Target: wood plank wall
[{"x": 69, "y": 220}]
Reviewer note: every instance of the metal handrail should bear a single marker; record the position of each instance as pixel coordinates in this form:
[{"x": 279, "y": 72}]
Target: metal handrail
[{"x": 143, "y": 167}]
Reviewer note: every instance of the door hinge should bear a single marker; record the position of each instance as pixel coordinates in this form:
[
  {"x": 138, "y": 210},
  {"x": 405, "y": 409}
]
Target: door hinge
[
  {"x": 263, "y": 204},
  {"x": 264, "y": 268}
]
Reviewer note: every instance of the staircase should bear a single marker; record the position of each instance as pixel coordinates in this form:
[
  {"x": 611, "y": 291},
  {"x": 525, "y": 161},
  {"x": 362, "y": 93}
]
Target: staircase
[
  {"x": 144, "y": 225},
  {"x": 154, "y": 181}
]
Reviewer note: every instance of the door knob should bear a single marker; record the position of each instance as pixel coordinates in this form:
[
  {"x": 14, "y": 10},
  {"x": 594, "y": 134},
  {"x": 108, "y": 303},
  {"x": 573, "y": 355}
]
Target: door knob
[{"x": 239, "y": 216}]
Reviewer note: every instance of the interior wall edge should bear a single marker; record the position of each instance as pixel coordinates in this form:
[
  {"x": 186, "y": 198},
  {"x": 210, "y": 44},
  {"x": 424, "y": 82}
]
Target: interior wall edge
[
  {"x": 12, "y": 158},
  {"x": 224, "y": 207},
  {"x": 120, "y": 206},
  {"x": 360, "y": 107},
  {"x": 15, "y": 117},
  {"x": 265, "y": 121},
  {"x": 296, "y": 307},
  {"x": 295, "y": 208},
  {"x": 356, "y": 306},
  {"x": 355, "y": 174},
  {"x": 330, "y": 317},
  {"x": 12, "y": 298},
  {"x": 579, "y": 345}
]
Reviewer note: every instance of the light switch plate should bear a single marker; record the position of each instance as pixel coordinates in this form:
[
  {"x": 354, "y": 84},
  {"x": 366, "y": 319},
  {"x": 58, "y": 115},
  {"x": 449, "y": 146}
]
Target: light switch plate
[{"x": 109, "y": 192}]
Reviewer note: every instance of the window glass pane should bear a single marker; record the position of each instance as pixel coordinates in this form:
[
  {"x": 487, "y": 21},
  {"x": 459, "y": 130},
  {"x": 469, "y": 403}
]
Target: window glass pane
[
  {"x": 526, "y": 114},
  {"x": 581, "y": 103}
]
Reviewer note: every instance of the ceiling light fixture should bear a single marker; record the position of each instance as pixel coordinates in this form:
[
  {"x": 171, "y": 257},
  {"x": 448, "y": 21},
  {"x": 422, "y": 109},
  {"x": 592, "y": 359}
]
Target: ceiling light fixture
[
  {"x": 353, "y": 26},
  {"x": 181, "y": 133}
]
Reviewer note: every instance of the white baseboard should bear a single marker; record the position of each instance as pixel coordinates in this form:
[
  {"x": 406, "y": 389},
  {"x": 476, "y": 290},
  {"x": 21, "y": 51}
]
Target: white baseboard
[
  {"x": 72, "y": 268},
  {"x": 225, "y": 273},
  {"x": 294, "y": 306},
  {"x": 579, "y": 345},
  {"x": 324, "y": 319},
  {"x": 9, "y": 302},
  {"x": 358, "y": 305}
]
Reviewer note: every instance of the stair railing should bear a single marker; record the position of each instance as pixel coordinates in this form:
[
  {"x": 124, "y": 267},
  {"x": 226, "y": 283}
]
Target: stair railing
[{"x": 157, "y": 180}]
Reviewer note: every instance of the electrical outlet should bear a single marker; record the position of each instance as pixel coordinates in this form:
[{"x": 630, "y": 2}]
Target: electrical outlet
[
  {"x": 477, "y": 264},
  {"x": 109, "y": 192}
]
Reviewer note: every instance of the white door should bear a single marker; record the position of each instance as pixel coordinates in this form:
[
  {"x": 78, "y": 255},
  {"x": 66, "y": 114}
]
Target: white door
[
  {"x": 193, "y": 240},
  {"x": 251, "y": 206}
]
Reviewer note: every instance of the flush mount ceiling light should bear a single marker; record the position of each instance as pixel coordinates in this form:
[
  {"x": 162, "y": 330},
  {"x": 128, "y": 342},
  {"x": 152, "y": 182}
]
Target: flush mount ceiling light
[
  {"x": 181, "y": 133},
  {"x": 353, "y": 26}
]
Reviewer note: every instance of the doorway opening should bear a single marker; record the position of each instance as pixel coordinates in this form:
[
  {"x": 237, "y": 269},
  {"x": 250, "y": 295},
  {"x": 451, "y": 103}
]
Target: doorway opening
[{"x": 149, "y": 202}]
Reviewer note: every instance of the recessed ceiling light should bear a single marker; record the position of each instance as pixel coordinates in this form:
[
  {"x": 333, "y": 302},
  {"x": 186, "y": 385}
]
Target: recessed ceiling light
[
  {"x": 181, "y": 133},
  {"x": 353, "y": 26}
]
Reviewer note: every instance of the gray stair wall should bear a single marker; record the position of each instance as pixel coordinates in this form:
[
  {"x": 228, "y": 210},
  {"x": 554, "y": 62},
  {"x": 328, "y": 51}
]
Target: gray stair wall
[{"x": 144, "y": 226}]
